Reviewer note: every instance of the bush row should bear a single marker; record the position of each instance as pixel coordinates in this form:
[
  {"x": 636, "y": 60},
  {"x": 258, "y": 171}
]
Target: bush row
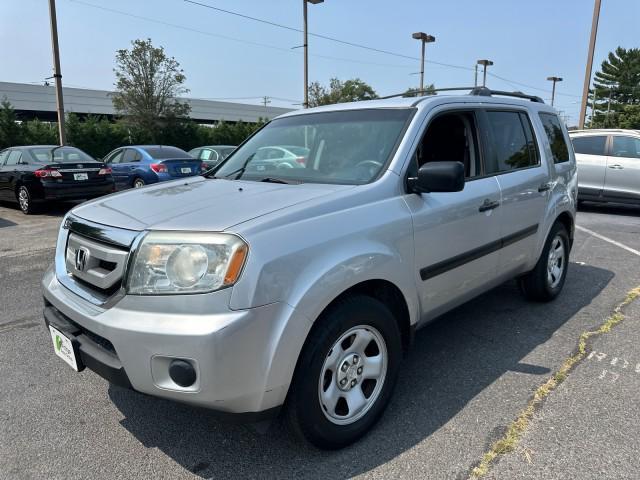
[{"x": 98, "y": 136}]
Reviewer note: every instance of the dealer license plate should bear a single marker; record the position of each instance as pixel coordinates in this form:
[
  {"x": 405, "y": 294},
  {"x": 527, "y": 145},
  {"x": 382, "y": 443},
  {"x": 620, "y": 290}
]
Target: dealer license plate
[{"x": 63, "y": 347}]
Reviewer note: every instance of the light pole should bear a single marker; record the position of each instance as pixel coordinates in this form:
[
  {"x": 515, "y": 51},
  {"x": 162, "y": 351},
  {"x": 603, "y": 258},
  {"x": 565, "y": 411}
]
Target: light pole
[
  {"x": 587, "y": 72},
  {"x": 56, "y": 69},
  {"x": 553, "y": 90},
  {"x": 306, "y": 54},
  {"x": 485, "y": 64},
  {"x": 424, "y": 39}
]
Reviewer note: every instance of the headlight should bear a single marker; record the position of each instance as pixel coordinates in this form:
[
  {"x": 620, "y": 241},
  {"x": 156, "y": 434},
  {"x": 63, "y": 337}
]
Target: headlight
[{"x": 183, "y": 262}]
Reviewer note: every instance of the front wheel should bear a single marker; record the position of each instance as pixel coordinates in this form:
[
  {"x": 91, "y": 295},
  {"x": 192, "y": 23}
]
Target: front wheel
[
  {"x": 545, "y": 281},
  {"x": 346, "y": 373}
]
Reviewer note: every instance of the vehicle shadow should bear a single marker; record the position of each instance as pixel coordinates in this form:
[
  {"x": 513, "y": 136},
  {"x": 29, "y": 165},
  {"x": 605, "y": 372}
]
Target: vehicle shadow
[
  {"x": 49, "y": 209},
  {"x": 452, "y": 361},
  {"x": 610, "y": 209}
]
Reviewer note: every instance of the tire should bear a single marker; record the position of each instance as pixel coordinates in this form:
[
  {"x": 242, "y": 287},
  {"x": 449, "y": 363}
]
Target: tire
[
  {"x": 138, "y": 183},
  {"x": 25, "y": 201},
  {"x": 541, "y": 284},
  {"x": 356, "y": 344}
]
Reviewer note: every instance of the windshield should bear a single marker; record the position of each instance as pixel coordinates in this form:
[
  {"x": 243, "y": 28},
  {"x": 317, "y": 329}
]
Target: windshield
[
  {"x": 160, "y": 153},
  {"x": 60, "y": 155},
  {"x": 347, "y": 147}
]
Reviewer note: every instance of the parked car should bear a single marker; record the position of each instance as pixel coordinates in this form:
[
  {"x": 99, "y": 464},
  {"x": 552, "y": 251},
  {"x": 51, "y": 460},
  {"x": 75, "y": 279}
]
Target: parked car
[
  {"x": 138, "y": 165},
  {"x": 304, "y": 291},
  {"x": 279, "y": 156},
  {"x": 608, "y": 165},
  {"x": 30, "y": 175},
  {"x": 211, "y": 155}
]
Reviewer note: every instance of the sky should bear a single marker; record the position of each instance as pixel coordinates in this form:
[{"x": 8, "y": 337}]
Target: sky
[{"x": 229, "y": 57}]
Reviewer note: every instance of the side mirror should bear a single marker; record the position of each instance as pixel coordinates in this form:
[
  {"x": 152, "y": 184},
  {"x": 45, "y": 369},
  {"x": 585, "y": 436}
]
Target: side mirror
[{"x": 438, "y": 177}]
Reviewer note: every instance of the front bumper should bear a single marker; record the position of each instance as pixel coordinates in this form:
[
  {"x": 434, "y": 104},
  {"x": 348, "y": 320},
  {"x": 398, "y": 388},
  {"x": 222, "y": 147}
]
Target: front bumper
[
  {"x": 244, "y": 360},
  {"x": 54, "y": 191}
]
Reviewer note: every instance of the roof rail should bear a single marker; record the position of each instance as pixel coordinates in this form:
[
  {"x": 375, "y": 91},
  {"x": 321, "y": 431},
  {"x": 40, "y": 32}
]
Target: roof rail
[
  {"x": 486, "y": 92},
  {"x": 416, "y": 93},
  {"x": 480, "y": 91}
]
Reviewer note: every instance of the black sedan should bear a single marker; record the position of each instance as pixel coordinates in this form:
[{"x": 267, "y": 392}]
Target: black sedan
[{"x": 33, "y": 174}]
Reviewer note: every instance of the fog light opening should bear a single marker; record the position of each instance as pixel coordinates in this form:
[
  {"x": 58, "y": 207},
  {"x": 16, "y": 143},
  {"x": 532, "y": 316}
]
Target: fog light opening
[{"x": 182, "y": 373}]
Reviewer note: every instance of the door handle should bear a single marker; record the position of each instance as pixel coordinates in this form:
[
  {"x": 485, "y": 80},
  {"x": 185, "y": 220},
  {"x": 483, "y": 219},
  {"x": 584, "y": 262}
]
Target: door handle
[
  {"x": 545, "y": 187},
  {"x": 616, "y": 167},
  {"x": 488, "y": 205}
]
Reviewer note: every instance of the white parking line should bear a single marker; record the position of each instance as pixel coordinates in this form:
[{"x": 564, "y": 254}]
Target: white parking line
[{"x": 609, "y": 240}]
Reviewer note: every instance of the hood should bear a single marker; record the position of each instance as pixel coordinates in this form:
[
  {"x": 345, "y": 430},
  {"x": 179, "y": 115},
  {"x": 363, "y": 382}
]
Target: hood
[{"x": 198, "y": 204}]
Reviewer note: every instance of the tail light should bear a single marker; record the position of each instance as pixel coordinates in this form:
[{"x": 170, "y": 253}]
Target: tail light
[
  {"x": 47, "y": 173},
  {"x": 159, "y": 167},
  {"x": 105, "y": 171},
  {"x": 301, "y": 160},
  {"x": 203, "y": 167}
]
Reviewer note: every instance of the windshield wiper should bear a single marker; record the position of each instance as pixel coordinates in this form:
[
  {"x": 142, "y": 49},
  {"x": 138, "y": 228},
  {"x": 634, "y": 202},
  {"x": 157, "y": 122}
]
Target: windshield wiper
[
  {"x": 239, "y": 172},
  {"x": 280, "y": 180}
]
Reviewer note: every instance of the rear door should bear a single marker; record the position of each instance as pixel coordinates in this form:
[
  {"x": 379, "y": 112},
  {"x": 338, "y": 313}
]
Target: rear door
[
  {"x": 514, "y": 157},
  {"x": 622, "y": 180},
  {"x": 592, "y": 164},
  {"x": 129, "y": 163}
]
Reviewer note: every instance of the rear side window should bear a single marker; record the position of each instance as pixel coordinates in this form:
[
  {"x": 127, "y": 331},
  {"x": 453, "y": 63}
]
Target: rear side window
[
  {"x": 513, "y": 142},
  {"x": 591, "y": 145},
  {"x": 628, "y": 147},
  {"x": 553, "y": 129},
  {"x": 14, "y": 157}
]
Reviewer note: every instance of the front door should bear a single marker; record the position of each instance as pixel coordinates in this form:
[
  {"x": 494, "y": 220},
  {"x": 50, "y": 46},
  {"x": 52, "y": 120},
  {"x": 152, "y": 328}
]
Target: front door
[
  {"x": 114, "y": 160},
  {"x": 456, "y": 235}
]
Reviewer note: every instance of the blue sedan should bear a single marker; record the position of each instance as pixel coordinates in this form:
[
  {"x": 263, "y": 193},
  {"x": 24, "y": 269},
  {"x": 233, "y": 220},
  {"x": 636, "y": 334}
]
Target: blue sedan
[{"x": 138, "y": 165}]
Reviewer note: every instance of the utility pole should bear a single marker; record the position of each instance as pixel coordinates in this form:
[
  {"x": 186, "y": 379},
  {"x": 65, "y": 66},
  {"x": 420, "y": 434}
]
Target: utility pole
[
  {"x": 475, "y": 81},
  {"x": 485, "y": 64},
  {"x": 306, "y": 50},
  {"x": 587, "y": 72},
  {"x": 265, "y": 101},
  {"x": 553, "y": 90},
  {"x": 424, "y": 39},
  {"x": 56, "y": 70}
]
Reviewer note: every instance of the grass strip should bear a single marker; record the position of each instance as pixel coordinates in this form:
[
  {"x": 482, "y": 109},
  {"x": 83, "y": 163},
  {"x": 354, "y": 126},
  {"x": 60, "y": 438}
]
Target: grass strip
[{"x": 515, "y": 430}]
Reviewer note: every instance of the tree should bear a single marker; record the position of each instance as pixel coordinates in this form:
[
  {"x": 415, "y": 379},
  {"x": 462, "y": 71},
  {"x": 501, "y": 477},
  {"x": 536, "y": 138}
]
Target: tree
[
  {"x": 10, "y": 131},
  {"x": 148, "y": 84},
  {"x": 428, "y": 90},
  {"x": 629, "y": 117},
  {"x": 340, "y": 92},
  {"x": 616, "y": 85}
]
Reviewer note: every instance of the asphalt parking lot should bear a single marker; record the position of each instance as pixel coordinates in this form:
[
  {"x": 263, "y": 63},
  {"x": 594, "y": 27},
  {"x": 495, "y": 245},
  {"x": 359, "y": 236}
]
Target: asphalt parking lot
[{"x": 467, "y": 378}]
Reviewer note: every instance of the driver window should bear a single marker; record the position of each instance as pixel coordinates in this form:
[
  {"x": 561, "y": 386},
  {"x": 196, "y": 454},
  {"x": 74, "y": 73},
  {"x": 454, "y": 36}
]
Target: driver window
[{"x": 450, "y": 137}]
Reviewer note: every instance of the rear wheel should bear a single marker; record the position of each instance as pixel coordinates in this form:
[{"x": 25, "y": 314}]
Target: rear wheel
[
  {"x": 346, "y": 373},
  {"x": 545, "y": 281},
  {"x": 138, "y": 183},
  {"x": 23, "y": 195}
]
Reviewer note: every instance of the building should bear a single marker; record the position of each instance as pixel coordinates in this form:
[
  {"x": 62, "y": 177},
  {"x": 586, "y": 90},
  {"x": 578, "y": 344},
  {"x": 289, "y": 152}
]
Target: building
[{"x": 39, "y": 101}]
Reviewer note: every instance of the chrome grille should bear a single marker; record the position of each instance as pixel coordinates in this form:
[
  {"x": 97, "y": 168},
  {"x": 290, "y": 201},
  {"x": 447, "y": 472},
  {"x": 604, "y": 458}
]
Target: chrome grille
[
  {"x": 97, "y": 273},
  {"x": 97, "y": 264}
]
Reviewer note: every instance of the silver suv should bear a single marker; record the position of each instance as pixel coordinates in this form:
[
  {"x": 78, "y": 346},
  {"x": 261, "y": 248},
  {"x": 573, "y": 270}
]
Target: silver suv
[
  {"x": 608, "y": 165},
  {"x": 257, "y": 286}
]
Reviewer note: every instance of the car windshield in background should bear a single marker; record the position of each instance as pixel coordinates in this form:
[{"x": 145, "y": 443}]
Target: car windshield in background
[
  {"x": 161, "y": 153},
  {"x": 346, "y": 147},
  {"x": 60, "y": 155}
]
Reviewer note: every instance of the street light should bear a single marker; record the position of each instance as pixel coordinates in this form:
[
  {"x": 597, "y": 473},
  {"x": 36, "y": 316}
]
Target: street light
[
  {"x": 553, "y": 90},
  {"x": 485, "y": 64},
  {"x": 306, "y": 55},
  {"x": 424, "y": 39}
]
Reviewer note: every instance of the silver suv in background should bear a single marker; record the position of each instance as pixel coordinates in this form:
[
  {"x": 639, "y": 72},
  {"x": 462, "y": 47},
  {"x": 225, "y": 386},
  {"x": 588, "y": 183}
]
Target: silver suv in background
[
  {"x": 608, "y": 165},
  {"x": 253, "y": 287}
]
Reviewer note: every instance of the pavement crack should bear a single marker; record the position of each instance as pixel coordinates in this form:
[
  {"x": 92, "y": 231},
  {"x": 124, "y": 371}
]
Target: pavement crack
[
  {"x": 514, "y": 432},
  {"x": 20, "y": 323}
]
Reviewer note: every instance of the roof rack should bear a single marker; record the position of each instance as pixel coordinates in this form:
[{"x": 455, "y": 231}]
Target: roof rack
[
  {"x": 480, "y": 91},
  {"x": 416, "y": 93},
  {"x": 485, "y": 92}
]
